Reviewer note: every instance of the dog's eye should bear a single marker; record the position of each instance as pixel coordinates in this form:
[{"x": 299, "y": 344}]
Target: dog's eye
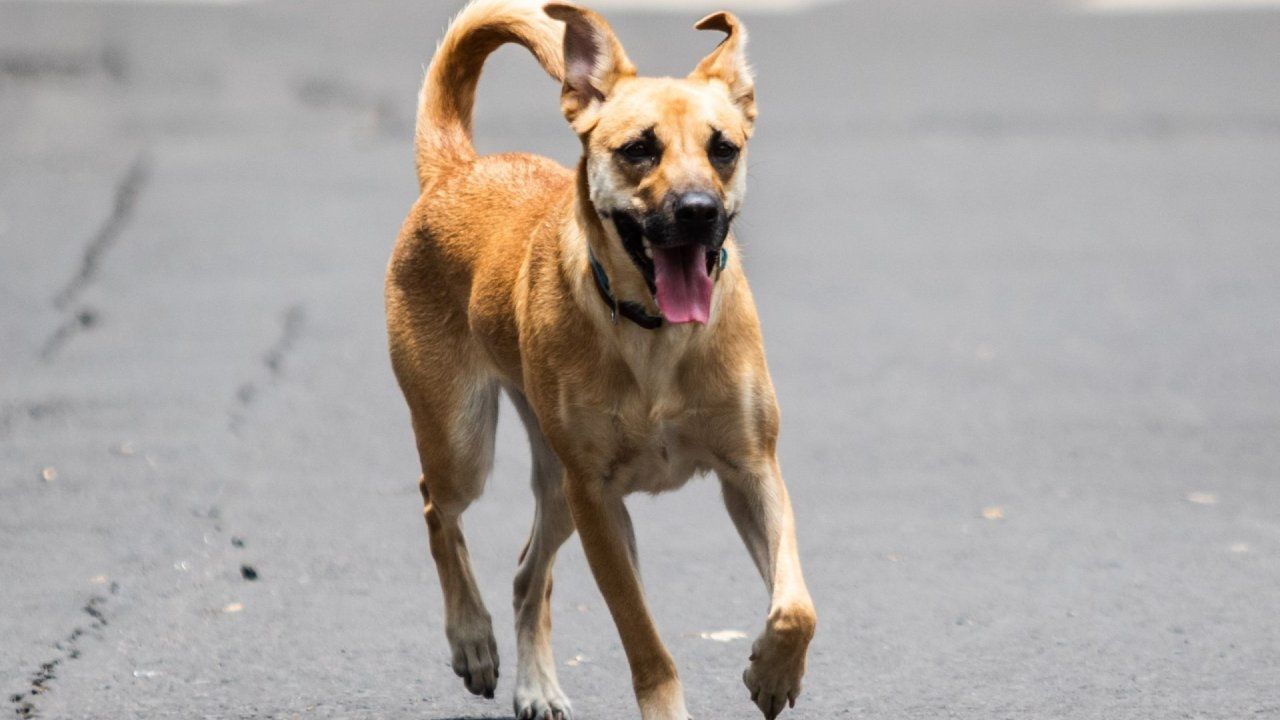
[
  {"x": 639, "y": 151},
  {"x": 723, "y": 150}
]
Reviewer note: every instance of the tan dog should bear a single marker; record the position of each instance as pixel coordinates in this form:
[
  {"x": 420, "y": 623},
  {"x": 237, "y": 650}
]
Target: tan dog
[{"x": 600, "y": 301}]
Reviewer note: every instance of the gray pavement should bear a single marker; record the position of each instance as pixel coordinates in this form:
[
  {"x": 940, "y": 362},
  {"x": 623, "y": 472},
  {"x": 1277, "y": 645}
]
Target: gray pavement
[{"x": 1019, "y": 271}]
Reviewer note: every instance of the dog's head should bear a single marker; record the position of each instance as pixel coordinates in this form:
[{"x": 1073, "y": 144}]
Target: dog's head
[{"x": 664, "y": 158}]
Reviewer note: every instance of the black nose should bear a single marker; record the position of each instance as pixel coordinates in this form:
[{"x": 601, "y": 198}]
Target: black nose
[{"x": 697, "y": 209}]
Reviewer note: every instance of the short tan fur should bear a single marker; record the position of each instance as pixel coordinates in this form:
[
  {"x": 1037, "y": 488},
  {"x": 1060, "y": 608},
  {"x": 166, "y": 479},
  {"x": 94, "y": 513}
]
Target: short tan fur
[{"x": 490, "y": 289}]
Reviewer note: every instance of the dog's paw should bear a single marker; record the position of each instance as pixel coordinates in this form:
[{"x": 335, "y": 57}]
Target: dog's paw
[
  {"x": 777, "y": 663},
  {"x": 541, "y": 701},
  {"x": 475, "y": 657},
  {"x": 771, "y": 691}
]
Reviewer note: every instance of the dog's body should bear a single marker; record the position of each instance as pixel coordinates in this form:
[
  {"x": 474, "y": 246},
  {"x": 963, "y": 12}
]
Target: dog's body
[{"x": 491, "y": 286}]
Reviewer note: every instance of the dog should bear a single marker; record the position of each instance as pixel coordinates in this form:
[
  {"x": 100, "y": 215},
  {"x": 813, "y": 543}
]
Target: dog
[{"x": 607, "y": 302}]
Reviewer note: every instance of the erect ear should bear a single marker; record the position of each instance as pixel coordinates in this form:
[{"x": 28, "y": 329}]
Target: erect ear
[
  {"x": 728, "y": 61},
  {"x": 594, "y": 61}
]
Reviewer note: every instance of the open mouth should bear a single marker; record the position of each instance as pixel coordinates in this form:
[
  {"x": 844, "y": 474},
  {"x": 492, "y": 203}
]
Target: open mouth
[
  {"x": 682, "y": 275},
  {"x": 679, "y": 276}
]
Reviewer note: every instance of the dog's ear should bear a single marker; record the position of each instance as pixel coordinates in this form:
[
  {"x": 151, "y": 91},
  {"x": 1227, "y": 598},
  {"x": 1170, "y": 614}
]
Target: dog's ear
[
  {"x": 728, "y": 61},
  {"x": 594, "y": 61}
]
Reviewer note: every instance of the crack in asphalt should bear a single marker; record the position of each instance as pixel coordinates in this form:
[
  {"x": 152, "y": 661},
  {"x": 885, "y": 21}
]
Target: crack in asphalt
[
  {"x": 14, "y": 413},
  {"x": 126, "y": 198},
  {"x": 111, "y": 60},
  {"x": 25, "y": 703},
  {"x": 274, "y": 357},
  {"x": 272, "y": 360},
  {"x": 84, "y": 319}
]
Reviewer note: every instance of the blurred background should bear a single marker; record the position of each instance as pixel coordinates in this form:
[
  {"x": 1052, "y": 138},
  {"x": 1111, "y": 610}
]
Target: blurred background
[{"x": 1018, "y": 266}]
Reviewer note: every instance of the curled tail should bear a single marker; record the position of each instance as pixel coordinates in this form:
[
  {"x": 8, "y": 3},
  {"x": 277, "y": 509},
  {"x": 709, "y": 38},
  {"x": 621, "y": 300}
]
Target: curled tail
[{"x": 445, "y": 103}]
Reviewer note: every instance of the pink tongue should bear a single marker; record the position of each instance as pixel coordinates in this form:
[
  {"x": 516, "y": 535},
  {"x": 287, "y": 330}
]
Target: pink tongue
[{"x": 684, "y": 287}]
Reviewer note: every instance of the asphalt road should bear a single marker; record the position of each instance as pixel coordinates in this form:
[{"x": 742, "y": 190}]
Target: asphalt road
[{"x": 1019, "y": 272}]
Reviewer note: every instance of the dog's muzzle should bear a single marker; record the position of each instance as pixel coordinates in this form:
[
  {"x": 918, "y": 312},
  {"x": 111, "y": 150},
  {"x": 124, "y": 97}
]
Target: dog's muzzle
[{"x": 677, "y": 249}]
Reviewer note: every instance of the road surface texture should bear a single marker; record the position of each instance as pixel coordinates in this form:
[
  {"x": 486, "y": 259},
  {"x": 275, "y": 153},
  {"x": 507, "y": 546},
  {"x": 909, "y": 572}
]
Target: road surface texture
[{"x": 1019, "y": 272}]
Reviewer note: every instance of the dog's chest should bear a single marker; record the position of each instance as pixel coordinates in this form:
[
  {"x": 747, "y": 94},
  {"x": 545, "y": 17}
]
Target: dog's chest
[
  {"x": 659, "y": 447},
  {"x": 661, "y": 429},
  {"x": 657, "y": 462}
]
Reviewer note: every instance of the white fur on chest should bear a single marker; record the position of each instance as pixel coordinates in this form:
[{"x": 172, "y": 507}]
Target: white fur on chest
[{"x": 661, "y": 446}]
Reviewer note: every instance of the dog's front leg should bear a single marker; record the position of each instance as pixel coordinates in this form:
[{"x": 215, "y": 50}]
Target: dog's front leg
[
  {"x": 757, "y": 501},
  {"x": 604, "y": 527}
]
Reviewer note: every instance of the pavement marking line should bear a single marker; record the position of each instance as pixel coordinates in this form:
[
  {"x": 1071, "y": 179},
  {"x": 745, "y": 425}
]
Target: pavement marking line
[{"x": 1174, "y": 6}]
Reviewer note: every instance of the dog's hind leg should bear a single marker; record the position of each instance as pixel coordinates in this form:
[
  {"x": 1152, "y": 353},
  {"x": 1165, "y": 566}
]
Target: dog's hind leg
[
  {"x": 454, "y": 426},
  {"x": 538, "y": 695}
]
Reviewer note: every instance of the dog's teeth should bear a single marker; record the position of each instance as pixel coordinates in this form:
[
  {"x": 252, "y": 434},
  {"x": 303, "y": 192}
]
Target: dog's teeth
[{"x": 648, "y": 251}]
